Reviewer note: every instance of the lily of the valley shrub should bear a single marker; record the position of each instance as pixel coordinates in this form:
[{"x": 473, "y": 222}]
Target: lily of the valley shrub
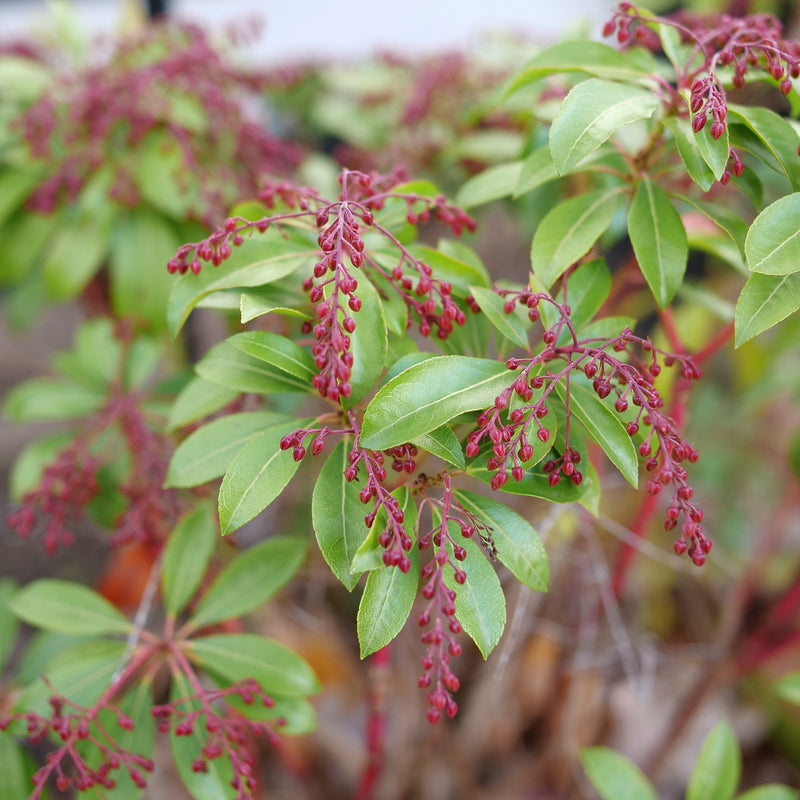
[{"x": 432, "y": 395}]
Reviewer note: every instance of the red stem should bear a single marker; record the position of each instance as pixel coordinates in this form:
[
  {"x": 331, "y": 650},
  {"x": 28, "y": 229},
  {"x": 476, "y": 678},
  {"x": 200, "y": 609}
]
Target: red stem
[{"x": 380, "y": 662}]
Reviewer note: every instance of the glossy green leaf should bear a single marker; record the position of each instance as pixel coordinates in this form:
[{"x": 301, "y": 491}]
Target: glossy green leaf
[
  {"x": 338, "y": 515},
  {"x": 604, "y": 426},
  {"x": 490, "y": 184},
  {"x": 772, "y": 246},
  {"x": 763, "y": 302},
  {"x": 386, "y": 604},
  {"x": 588, "y": 286},
  {"x": 537, "y": 169},
  {"x": 254, "y": 304},
  {"x": 716, "y": 772},
  {"x": 186, "y": 558},
  {"x": 508, "y": 325},
  {"x": 239, "y": 656},
  {"x": 67, "y": 607},
  {"x": 594, "y": 58},
  {"x": 428, "y": 395},
  {"x": 770, "y": 791},
  {"x": 9, "y": 624},
  {"x": 278, "y": 351},
  {"x": 444, "y": 444},
  {"x": 689, "y": 151},
  {"x": 788, "y": 688},
  {"x": 368, "y": 343},
  {"x": 231, "y": 368},
  {"x": 258, "y": 261},
  {"x": 568, "y": 231},
  {"x": 42, "y": 399},
  {"x": 590, "y": 114},
  {"x": 715, "y": 152},
  {"x": 519, "y": 547},
  {"x": 207, "y": 452},
  {"x": 615, "y": 777},
  {"x": 257, "y": 475},
  {"x": 480, "y": 602},
  {"x": 250, "y": 580},
  {"x": 196, "y": 400},
  {"x": 659, "y": 240}
]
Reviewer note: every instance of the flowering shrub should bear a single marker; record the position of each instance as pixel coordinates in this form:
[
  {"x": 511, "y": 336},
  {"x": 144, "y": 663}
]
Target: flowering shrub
[{"x": 434, "y": 397}]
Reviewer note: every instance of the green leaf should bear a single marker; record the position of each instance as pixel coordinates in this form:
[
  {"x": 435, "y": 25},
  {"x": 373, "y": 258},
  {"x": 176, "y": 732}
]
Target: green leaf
[
  {"x": 614, "y": 776},
  {"x": 588, "y": 286},
  {"x": 255, "y": 262},
  {"x": 428, "y": 395},
  {"x": 534, "y": 484},
  {"x": 769, "y": 791},
  {"x": 461, "y": 252},
  {"x": 509, "y": 325},
  {"x": 140, "y": 285},
  {"x": 338, "y": 516},
  {"x": 95, "y": 357},
  {"x": 537, "y": 169},
  {"x": 30, "y": 463},
  {"x": 74, "y": 255},
  {"x": 716, "y": 772},
  {"x": 788, "y": 688},
  {"x": 186, "y": 558},
  {"x": 67, "y": 607},
  {"x": 444, "y": 444},
  {"x": 519, "y": 547},
  {"x": 590, "y": 114},
  {"x": 480, "y": 603},
  {"x": 386, "y": 604},
  {"x": 198, "y": 399},
  {"x": 207, "y": 453},
  {"x": 368, "y": 343},
  {"x": 723, "y": 217},
  {"x": 715, "y": 152},
  {"x": 594, "y": 58},
  {"x": 250, "y": 580},
  {"x": 278, "y": 351},
  {"x": 568, "y": 231},
  {"x": 8, "y": 622},
  {"x": 490, "y": 184},
  {"x": 239, "y": 656},
  {"x": 228, "y": 366},
  {"x": 689, "y": 151},
  {"x": 42, "y": 399},
  {"x": 604, "y": 426},
  {"x": 772, "y": 246},
  {"x": 659, "y": 240},
  {"x": 763, "y": 302},
  {"x": 257, "y": 475},
  {"x": 15, "y": 782}
]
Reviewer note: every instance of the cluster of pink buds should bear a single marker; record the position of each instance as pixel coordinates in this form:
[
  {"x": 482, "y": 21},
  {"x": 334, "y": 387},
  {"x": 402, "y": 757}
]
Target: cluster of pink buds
[
  {"x": 707, "y": 97},
  {"x": 296, "y": 441},
  {"x": 73, "y": 724}
]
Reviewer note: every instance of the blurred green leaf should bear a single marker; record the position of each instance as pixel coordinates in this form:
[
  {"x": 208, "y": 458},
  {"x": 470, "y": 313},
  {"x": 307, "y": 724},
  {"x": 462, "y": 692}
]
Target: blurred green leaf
[{"x": 716, "y": 772}]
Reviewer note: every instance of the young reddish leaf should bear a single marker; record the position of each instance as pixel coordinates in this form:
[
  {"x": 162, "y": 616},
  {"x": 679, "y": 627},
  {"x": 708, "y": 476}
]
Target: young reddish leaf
[
  {"x": 614, "y": 776},
  {"x": 716, "y": 772},
  {"x": 250, "y": 580},
  {"x": 186, "y": 557}
]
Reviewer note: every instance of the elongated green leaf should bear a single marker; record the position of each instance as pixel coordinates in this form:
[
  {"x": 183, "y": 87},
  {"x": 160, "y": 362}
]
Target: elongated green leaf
[
  {"x": 588, "y": 287},
  {"x": 518, "y": 545},
  {"x": 256, "y": 476},
  {"x": 725, "y": 218},
  {"x": 604, "y": 426},
  {"x": 198, "y": 399},
  {"x": 239, "y": 656},
  {"x": 480, "y": 602},
  {"x": 278, "y": 351},
  {"x": 537, "y": 169},
  {"x": 9, "y": 624},
  {"x": 769, "y": 791},
  {"x": 386, "y": 603},
  {"x": 231, "y": 368},
  {"x": 48, "y": 399},
  {"x": 250, "y": 580},
  {"x": 716, "y": 772},
  {"x": 594, "y": 58},
  {"x": 207, "y": 453},
  {"x": 568, "y": 231},
  {"x": 788, "y": 688},
  {"x": 689, "y": 151},
  {"x": 590, "y": 113},
  {"x": 15, "y": 184},
  {"x": 772, "y": 246},
  {"x": 369, "y": 343},
  {"x": 338, "y": 516},
  {"x": 614, "y": 776},
  {"x": 764, "y": 301},
  {"x": 443, "y": 443},
  {"x": 186, "y": 557},
  {"x": 256, "y": 262},
  {"x": 509, "y": 325},
  {"x": 67, "y": 607},
  {"x": 427, "y": 395},
  {"x": 490, "y": 184},
  {"x": 715, "y": 152},
  {"x": 462, "y": 252},
  {"x": 659, "y": 240}
]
